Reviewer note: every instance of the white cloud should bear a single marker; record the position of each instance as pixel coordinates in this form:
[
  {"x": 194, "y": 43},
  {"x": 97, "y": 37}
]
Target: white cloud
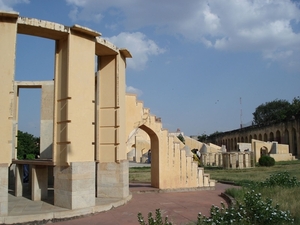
[
  {"x": 139, "y": 46},
  {"x": 7, "y": 5},
  {"x": 130, "y": 89},
  {"x": 235, "y": 25}
]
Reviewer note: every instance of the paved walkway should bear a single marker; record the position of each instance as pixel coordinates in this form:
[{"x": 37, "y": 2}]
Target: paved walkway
[{"x": 181, "y": 207}]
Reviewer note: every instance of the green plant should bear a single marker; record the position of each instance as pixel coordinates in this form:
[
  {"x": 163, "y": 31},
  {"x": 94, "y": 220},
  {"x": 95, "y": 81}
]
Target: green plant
[
  {"x": 266, "y": 160},
  {"x": 280, "y": 179},
  {"x": 27, "y": 144},
  {"x": 154, "y": 221},
  {"x": 181, "y": 138},
  {"x": 30, "y": 156},
  {"x": 253, "y": 211}
]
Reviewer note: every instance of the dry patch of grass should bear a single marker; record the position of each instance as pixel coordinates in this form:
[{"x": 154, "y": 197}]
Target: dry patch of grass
[{"x": 140, "y": 174}]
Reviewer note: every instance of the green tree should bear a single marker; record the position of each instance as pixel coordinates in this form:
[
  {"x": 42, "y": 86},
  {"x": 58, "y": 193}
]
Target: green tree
[
  {"x": 28, "y": 145},
  {"x": 181, "y": 138},
  {"x": 202, "y": 138},
  {"x": 272, "y": 112},
  {"x": 295, "y": 107}
]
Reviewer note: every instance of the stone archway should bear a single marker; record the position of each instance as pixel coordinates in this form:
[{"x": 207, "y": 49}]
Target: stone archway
[
  {"x": 154, "y": 140},
  {"x": 265, "y": 137},
  {"x": 271, "y": 138},
  {"x": 278, "y": 137},
  {"x": 172, "y": 164}
]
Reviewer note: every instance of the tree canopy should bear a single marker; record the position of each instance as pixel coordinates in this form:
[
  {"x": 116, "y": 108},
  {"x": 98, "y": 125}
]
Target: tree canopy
[
  {"x": 202, "y": 138},
  {"x": 181, "y": 138},
  {"x": 28, "y": 145},
  {"x": 276, "y": 111}
]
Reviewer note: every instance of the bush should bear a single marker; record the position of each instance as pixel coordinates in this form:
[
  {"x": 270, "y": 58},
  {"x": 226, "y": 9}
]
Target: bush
[
  {"x": 253, "y": 211},
  {"x": 153, "y": 221},
  {"x": 280, "y": 179},
  {"x": 266, "y": 160}
]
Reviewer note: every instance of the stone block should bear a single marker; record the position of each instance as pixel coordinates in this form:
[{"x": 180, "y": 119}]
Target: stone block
[
  {"x": 3, "y": 189},
  {"x": 206, "y": 180},
  {"x": 74, "y": 186},
  {"x": 113, "y": 179},
  {"x": 39, "y": 183},
  {"x": 200, "y": 177}
]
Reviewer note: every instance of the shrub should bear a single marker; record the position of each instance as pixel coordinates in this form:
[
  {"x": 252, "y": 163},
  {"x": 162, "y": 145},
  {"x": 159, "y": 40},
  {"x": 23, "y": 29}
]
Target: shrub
[
  {"x": 280, "y": 179},
  {"x": 253, "y": 211},
  {"x": 266, "y": 160},
  {"x": 154, "y": 221}
]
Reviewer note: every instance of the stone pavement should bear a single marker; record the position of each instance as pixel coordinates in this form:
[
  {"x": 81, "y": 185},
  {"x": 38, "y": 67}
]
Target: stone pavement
[{"x": 181, "y": 207}]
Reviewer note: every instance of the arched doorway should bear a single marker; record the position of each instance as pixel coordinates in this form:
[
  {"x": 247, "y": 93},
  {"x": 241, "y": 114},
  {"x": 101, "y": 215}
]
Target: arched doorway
[
  {"x": 154, "y": 143},
  {"x": 278, "y": 137},
  {"x": 286, "y": 137},
  {"x": 294, "y": 142},
  {"x": 265, "y": 137},
  {"x": 271, "y": 137}
]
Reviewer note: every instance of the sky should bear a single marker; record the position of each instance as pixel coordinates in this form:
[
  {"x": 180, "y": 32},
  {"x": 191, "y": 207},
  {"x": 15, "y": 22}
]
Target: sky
[{"x": 200, "y": 65}]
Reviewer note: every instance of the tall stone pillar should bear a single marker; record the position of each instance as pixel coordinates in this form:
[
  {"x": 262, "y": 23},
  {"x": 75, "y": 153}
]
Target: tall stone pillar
[
  {"x": 73, "y": 152},
  {"x": 112, "y": 166},
  {"x": 8, "y": 31}
]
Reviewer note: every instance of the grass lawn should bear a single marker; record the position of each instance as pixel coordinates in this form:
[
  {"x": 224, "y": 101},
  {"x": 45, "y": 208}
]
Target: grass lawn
[
  {"x": 287, "y": 198},
  {"x": 254, "y": 174}
]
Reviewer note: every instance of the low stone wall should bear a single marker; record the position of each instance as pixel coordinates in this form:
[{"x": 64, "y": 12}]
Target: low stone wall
[{"x": 228, "y": 160}]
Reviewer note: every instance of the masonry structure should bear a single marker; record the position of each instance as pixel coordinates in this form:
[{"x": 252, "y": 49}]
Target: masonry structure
[
  {"x": 87, "y": 123},
  {"x": 287, "y": 133},
  {"x": 83, "y": 125}
]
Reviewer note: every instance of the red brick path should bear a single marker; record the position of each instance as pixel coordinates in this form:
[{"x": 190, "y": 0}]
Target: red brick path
[{"x": 181, "y": 207}]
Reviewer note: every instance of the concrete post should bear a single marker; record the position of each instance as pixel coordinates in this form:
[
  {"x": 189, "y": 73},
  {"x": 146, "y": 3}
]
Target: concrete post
[{"x": 46, "y": 130}]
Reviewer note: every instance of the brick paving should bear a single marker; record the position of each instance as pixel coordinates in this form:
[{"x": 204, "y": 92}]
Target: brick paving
[{"x": 181, "y": 207}]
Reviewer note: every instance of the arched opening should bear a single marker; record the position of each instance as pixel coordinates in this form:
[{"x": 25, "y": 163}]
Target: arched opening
[
  {"x": 265, "y": 137},
  {"x": 263, "y": 151},
  {"x": 235, "y": 144},
  {"x": 271, "y": 136},
  {"x": 246, "y": 139},
  {"x": 255, "y": 137},
  {"x": 286, "y": 137},
  {"x": 278, "y": 137},
  {"x": 294, "y": 142},
  {"x": 154, "y": 143},
  {"x": 250, "y": 138},
  {"x": 138, "y": 145}
]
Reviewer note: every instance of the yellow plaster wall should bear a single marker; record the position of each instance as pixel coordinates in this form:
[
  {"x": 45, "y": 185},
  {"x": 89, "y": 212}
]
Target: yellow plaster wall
[
  {"x": 81, "y": 81},
  {"x": 121, "y": 104},
  {"x": 171, "y": 167},
  {"x": 8, "y": 31},
  {"x": 282, "y": 150}
]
